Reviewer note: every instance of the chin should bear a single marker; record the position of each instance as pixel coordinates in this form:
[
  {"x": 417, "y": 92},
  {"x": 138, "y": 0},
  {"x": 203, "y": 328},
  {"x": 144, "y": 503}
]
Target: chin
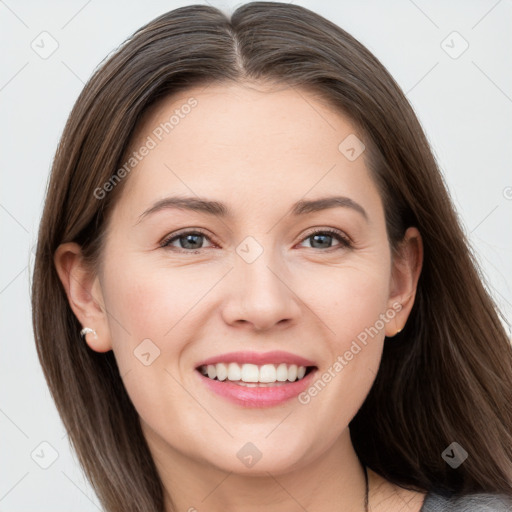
[{"x": 259, "y": 456}]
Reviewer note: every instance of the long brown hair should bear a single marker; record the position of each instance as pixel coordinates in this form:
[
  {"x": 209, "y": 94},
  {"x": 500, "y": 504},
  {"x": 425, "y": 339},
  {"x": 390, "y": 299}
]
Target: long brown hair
[{"x": 446, "y": 377}]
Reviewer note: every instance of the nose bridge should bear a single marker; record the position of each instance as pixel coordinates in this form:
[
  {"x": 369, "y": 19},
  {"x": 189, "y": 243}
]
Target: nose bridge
[
  {"x": 257, "y": 266},
  {"x": 258, "y": 292}
]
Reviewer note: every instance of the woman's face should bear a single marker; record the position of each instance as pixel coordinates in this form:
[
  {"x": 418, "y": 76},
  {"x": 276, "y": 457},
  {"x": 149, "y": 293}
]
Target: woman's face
[{"x": 253, "y": 278}]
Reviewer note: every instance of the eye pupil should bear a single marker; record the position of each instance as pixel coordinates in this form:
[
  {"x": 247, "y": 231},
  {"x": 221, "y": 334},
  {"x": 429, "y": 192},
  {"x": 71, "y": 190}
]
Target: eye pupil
[
  {"x": 323, "y": 239},
  {"x": 188, "y": 239}
]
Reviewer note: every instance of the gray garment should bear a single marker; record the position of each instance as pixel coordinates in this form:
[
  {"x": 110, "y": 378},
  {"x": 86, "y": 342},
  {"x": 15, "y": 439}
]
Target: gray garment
[{"x": 478, "y": 502}]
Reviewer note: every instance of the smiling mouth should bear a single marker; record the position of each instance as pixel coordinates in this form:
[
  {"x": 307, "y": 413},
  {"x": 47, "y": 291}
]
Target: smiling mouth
[{"x": 252, "y": 375}]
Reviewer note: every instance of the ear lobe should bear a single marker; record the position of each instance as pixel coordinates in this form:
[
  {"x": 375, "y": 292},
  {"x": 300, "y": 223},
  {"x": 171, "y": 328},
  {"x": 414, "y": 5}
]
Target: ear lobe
[
  {"x": 84, "y": 295},
  {"x": 407, "y": 265}
]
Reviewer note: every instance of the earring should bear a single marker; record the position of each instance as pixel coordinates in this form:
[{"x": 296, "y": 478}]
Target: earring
[
  {"x": 399, "y": 330},
  {"x": 88, "y": 330}
]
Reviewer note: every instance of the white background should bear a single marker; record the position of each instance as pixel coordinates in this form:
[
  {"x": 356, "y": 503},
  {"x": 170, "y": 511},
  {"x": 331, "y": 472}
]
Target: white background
[{"x": 464, "y": 105}]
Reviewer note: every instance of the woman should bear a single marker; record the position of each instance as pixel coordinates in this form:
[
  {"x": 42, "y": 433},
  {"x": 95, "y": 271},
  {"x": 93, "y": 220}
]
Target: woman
[{"x": 251, "y": 289}]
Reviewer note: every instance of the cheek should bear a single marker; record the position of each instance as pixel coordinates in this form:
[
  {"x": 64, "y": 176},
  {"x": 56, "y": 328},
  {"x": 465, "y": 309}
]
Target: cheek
[
  {"x": 148, "y": 309},
  {"x": 153, "y": 309},
  {"x": 349, "y": 301},
  {"x": 348, "y": 298},
  {"x": 148, "y": 301},
  {"x": 362, "y": 299}
]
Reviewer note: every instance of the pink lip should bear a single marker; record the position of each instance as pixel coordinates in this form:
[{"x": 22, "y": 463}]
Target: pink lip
[
  {"x": 258, "y": 358},
  {"x": 258, "y": 396}
]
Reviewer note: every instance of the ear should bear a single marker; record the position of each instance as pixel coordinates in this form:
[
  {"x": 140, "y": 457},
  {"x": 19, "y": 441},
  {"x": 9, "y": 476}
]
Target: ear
[
  {"x": 84, "y": 294},
  {"x": 406, "y": 269}
]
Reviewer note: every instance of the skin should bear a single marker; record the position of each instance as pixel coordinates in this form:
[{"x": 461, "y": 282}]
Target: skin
[{"x": 258, "y": 150}]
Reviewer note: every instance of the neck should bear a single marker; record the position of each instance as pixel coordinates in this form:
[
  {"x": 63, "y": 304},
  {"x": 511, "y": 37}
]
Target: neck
[{"x": 193, "y": 484}]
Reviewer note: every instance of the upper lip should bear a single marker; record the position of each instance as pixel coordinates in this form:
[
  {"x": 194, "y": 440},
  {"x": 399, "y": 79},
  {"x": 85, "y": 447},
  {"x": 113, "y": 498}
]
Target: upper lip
[{"x": 258, "y": 358}]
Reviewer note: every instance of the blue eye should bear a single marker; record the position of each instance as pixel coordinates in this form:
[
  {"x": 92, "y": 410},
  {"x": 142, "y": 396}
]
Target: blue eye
[
  {"x": 326, "y": 235},
  {"x": 190, "y": 241}
]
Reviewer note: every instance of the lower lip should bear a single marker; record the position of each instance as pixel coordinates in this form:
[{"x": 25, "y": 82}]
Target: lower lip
[{"x": 257, "y": 396}]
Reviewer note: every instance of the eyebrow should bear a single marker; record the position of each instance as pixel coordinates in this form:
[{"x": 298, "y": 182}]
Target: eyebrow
[{"x": 216, "y": 208}]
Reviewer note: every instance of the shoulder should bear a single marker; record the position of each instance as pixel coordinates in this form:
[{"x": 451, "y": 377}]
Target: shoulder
[{"x": 478, "y": 502}]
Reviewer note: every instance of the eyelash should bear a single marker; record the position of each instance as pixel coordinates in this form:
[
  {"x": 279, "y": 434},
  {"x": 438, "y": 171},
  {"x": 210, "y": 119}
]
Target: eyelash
[{"x": 344, "y": 241}]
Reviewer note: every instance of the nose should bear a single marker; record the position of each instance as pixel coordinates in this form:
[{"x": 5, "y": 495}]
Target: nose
[{"x": 259, "y": 295}]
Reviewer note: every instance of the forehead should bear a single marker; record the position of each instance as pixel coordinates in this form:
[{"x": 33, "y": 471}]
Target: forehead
[{"x": 249, "y": 145}]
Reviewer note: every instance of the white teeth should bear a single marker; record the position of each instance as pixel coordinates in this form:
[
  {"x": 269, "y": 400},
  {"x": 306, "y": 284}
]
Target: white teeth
[
  {"x": 212, "y": 371},
  {"x": 282, "y": 373},
  {"x": 251, "y": 373},
  {"x": 222, "y": 371},
  {"x": 292, "y": 372},
  {"x": 268, "y": 373},
  {"x": 234, "y": 372}
]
